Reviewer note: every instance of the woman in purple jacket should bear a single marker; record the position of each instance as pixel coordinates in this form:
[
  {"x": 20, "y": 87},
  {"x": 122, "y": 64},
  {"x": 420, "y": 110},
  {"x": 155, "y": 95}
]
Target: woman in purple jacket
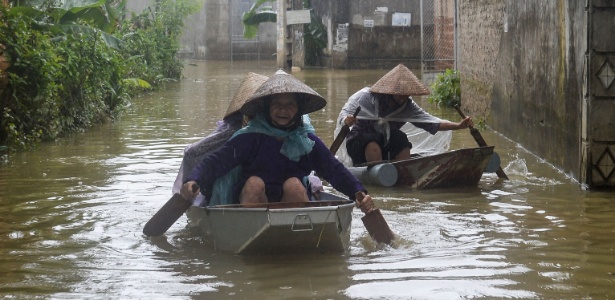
[{"x": 275, "y": 151}]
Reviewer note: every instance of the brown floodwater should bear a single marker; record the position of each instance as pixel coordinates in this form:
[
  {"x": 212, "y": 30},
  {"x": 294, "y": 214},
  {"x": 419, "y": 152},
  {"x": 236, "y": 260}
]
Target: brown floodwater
[{"x": 71, "y": 215}]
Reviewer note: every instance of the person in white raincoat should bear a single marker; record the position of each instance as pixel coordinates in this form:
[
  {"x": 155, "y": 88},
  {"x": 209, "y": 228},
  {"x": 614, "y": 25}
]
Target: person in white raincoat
[{"x": 385, "y": 107}]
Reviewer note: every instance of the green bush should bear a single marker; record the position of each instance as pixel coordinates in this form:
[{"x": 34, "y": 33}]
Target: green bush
[
  {"x": 69, "y": 71},
  {"x": 446, "y": 89},
  {"x": 57, "y": 85},
  {"x": 30, "y": 111},
  {"x": 152, "y": 40},
  {"x": 99, "y": 93}
]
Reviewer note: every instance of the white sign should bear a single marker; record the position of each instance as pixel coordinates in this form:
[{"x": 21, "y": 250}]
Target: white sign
[
  {"x": 298, "y": 17},
  {"x": 401, "y": 19},
  {"x": 342, "y": 32},
  {"x": 368, "y": 23}
]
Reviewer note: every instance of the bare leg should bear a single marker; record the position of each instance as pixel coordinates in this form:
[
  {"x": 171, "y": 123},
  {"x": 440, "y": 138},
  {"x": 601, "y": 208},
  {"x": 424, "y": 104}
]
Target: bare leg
[
  {"x": 294, "y": 191},
  {"x": 403, "y": 154},
  {"x": 373, "y": 152},
  {"x": 253, "y": 191}
]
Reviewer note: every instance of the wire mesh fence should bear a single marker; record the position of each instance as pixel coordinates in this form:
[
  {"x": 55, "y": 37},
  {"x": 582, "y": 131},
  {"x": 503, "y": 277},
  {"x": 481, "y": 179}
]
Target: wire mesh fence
[
  {"x": 219, "y": 35},
  {"x": 439, "y": 35}
]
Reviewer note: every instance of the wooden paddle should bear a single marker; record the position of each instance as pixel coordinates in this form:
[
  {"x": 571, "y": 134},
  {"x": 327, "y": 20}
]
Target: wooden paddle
[
  {"x": 481, "y": 142},
  {"x": 168, "y": 214},
  {"x": 342, "y": 134},
  {"x": 373, "y": 220},
  {"x": 376, "y": 225}
]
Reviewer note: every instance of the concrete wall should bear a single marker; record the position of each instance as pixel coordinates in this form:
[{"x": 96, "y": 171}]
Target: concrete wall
[
  {"x": 521, "y": 68},
  {"x": 383, "y": 46},
  {"x": 380, "y": 46}
]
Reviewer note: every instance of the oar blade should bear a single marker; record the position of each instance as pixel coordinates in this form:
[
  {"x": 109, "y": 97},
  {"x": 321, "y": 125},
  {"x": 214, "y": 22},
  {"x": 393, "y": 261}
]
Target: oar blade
[
  {"x": 480, "y": 141},
  {"x": 342, "y": 134},
  {"x": 168, "y": 214},
  {"x": 377, "y": 227},
  {"x": 339, "y": 139},
  {"x": 493, "y": 164}
]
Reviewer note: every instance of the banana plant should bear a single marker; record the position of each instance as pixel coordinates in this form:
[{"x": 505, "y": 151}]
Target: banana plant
[
  {"x": 99, "y": 16},
  {"x": 315, "y": 32},
  {"x": 253, "y": 17}
]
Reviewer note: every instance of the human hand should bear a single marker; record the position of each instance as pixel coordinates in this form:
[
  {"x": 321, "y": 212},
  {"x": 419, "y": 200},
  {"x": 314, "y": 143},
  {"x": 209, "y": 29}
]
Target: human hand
[
  {"x": 466, "y": 122},
  {"x": 364, "y": 202},
  {"x": 350, "y": 120},
  {"x": 190, "y": 190}
]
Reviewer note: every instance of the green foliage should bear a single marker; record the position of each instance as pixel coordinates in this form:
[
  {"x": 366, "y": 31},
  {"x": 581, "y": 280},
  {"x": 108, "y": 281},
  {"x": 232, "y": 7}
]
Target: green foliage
[
  {"x": 152, "y": 40},
  {"x": 253, "y": 17},
  {"x": 99, "y": 92},
  {"x": 100, "y": 18},
  {"x": 446, "y": 89},
  {"x": 29, "y": 112},
  {"x": 315, "y": 37},
  {"x": 68, "y": 70}
]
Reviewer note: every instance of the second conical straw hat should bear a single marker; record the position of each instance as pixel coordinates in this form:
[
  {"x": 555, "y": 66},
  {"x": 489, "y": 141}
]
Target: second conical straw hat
[
  {"x": 281, "y": 82},
  {"x": 400, "y": 81},
  {"x": 251, "y": 82}
]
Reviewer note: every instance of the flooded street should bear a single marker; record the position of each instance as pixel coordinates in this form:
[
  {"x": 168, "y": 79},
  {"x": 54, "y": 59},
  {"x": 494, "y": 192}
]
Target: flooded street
[{"x": 72, "y": 212}]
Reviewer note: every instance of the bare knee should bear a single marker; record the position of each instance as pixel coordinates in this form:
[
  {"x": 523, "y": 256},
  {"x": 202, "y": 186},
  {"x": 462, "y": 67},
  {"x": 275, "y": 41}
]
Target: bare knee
[
  {"x": 293, "y": 190},
  {"x": 253, "y": 191},
  {"x": 373, "y": 152},
  {"x": 403, "y": 154}
]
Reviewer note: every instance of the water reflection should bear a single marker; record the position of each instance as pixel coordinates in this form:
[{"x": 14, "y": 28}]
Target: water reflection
[{"x": 71, "y": 215}]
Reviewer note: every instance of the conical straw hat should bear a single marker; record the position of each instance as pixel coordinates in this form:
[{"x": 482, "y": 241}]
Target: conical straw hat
[
  {"x": 400, "y": 81},
  {"x": 248, "y": 86},
  {"x": 280, "y": 83}
]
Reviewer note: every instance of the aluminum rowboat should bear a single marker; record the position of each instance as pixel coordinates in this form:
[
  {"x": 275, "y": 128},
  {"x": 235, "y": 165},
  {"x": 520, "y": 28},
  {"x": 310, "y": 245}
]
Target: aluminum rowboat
[{"x": 276, "y": 228}]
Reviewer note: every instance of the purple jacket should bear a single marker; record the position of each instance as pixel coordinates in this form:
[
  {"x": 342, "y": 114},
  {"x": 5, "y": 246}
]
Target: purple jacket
[{"x": 259, "y": 155}]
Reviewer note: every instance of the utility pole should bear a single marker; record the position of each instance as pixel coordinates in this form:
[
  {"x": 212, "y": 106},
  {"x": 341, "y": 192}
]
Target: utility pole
[{"x": 282, "y": 51}]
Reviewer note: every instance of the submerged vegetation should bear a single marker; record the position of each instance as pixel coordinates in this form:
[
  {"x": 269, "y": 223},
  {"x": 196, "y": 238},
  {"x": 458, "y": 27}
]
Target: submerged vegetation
[{"x": 63, "y": 69}]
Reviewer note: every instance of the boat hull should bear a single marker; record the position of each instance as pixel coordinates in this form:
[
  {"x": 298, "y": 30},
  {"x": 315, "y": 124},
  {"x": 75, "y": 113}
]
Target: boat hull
[
  {"x": 458, "y": 168},
  {"x": 277, "y": 228}
]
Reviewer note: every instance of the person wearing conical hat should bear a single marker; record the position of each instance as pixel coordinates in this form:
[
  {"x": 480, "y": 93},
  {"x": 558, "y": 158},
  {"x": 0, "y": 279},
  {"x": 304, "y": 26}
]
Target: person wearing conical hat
[
  {"x": 230, "y": 123},
  {"x": 385, "y": 107},
  {"x": 275, "y": 151}
]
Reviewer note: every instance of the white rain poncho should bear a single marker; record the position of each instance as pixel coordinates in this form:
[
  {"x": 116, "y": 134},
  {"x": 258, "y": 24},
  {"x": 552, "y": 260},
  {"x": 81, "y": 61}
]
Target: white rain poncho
[{"x": 423, "y": 142}]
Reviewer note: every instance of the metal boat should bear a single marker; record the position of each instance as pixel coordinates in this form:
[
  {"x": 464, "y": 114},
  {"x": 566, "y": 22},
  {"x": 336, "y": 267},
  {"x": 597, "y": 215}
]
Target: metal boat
[{"x": 321, "y": 226}]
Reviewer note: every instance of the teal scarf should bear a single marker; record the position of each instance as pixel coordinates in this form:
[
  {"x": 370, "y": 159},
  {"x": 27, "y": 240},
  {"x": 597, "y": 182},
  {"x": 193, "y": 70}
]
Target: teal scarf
[{"x": 296, "y": 144}]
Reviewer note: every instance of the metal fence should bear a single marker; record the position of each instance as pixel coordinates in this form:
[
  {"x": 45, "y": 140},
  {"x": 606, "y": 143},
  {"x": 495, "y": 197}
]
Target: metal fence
[{"x": 439, "y": 35}]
